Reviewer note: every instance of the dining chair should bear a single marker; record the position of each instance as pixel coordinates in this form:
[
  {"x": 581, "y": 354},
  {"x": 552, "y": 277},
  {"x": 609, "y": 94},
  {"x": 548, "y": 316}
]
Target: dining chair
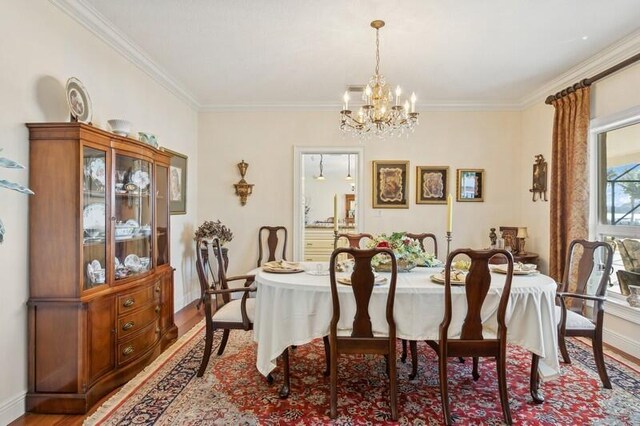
[
  {"x": 274, "y": 234},
  {"x": 583, "y": 314},
  {"x": 354, "y": 239},
  {"x": 361, "y": 339},
  {"x": 413, "y": 344},
  {"x": 472, "y": 342},
  {"x": 221, "y": 312}
]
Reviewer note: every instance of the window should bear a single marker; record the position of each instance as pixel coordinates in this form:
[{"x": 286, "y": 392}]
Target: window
[{"x": 616, "y": 195}]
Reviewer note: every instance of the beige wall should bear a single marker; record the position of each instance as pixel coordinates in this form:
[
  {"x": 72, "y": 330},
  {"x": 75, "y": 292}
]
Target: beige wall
[
  {"x": 487, "y": 140},
  {"x": 40, "y": 48}
]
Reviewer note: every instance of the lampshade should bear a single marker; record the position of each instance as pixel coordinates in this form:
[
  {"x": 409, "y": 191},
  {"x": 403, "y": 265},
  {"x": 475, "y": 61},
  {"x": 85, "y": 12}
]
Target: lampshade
[{"x": 522, "y": 233}]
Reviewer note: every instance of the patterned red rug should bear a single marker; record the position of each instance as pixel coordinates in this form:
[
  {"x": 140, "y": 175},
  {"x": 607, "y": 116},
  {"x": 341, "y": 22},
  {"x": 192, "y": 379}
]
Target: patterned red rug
[{"x": 232, "y": 392}]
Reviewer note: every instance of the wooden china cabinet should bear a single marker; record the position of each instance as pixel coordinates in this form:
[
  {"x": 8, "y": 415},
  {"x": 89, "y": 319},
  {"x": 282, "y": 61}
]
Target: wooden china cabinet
[{"x": 101, "y": 287}]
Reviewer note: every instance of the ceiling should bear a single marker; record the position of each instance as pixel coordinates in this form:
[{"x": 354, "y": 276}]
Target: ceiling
[{"x": 303, "y": 53}]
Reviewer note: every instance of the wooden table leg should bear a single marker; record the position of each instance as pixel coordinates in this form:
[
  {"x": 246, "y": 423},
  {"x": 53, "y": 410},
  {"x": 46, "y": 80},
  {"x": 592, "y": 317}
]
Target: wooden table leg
[
  {"x": 534, "y": 382},
  {"x": 285, "y": 389}
]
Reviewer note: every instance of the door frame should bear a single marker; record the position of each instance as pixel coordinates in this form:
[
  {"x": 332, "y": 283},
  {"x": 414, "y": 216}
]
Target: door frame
[{"x": 298, "y": 200}]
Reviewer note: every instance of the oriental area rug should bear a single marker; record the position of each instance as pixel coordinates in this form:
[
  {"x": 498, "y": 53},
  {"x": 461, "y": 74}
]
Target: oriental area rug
[{"x": 232, "y": 392}]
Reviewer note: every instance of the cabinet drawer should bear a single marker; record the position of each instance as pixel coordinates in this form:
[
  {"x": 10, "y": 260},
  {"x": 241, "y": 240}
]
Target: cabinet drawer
[
  {"x": 134, "y": 322},
  {"x": 137, "y": 298},
  {"x": 133, "y": 348}
]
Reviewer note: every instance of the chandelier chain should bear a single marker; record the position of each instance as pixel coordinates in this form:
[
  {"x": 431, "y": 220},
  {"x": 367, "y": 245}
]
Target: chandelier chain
[{"x": 377, "y": 51}]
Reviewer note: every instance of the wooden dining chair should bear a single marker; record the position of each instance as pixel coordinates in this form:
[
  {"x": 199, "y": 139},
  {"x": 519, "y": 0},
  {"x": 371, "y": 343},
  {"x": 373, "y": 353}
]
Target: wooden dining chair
[
  {"x": 472, "y": 342},
  {"x": 575, "y": 315},
  {"x": 354, "y": 239},
  {"x": 274, "y": 235},
  {"x": 362, "y": 339},
  {"x": 425, "y": 236},
  {"x": 221, "y": 312},
  {"x": 413, "y": 344}
]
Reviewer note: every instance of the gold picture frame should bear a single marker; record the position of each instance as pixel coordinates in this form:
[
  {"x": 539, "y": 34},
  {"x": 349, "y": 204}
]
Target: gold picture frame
[
  {"x": 390, "y": 184},
  {"x": 177, "y": 182},
  {"x": 432, "y": 184},
  {"x": 470, "y": 185}
]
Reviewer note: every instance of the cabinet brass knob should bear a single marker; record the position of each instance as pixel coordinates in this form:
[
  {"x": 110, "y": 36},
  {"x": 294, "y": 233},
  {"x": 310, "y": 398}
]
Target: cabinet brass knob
[
  {"x": 128, "y": 350},
  {"x": 128, "y": 303},
  {"x": 157, "y": 289},
  {"x": 128, "y": 326},
  {"x": 157, "y": 309}
]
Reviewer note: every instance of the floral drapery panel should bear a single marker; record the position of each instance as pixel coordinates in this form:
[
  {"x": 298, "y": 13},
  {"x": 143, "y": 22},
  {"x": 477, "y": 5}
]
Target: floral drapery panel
[{"x": 569, "y": 176}]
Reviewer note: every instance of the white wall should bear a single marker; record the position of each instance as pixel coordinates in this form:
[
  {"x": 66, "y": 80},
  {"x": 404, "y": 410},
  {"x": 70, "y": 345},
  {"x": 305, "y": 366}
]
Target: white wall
[
  {"x": 40, "y": 47},
  {"x": 488, "y": 140}
]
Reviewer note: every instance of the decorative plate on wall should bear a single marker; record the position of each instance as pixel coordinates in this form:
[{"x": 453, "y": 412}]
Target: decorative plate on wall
[{"x": 79, "y": 101}]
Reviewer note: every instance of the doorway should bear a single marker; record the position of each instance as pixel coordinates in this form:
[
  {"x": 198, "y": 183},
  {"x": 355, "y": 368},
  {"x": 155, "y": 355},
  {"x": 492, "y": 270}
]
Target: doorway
[{"x": 328, "y": 187}]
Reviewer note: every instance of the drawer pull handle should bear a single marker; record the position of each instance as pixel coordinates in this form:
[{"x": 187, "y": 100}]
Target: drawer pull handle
[
  {"x": 128, "y": 350},
  {"x": 157, "y": 289},
  {"x": 128, "y": 325},
  {"x": 128, "y": 303},
  {"x": 157, "y": 309}
]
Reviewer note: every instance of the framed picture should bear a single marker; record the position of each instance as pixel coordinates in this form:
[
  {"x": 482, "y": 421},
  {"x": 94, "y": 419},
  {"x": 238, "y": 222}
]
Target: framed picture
[
  {"x": 390, "y": 184},
  {"x": 177, "y": 183},
  {"x": 470, "y": 185},
  {"x": 432, "y": 184},
  {"x": 509, "y": 234}
]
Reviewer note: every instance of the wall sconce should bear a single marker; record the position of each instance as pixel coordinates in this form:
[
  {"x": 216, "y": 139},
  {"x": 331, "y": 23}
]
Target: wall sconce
[{"x": 243, "y": 189}]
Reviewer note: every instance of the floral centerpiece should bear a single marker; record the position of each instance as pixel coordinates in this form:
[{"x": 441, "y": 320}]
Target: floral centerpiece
[
  {"x": 408, "y": 252},
  {"x": 211, "y": 229}
]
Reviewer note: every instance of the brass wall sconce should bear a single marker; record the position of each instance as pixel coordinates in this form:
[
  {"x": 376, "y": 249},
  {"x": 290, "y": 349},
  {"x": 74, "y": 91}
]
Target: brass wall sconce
[{"x": 243, "y": 189}]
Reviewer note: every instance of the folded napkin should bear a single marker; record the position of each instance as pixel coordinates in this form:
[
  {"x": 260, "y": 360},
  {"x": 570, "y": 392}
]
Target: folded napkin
[{"x": 281, "y": 264}]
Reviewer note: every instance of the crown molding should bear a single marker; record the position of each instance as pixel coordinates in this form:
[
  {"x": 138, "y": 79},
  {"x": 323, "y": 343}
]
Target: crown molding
[
  {"x": 94, "y": 21},
  {"x": 615, "y": 53}
]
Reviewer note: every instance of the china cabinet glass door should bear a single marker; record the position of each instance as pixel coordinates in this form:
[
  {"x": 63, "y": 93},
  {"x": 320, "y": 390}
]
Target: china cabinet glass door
[
  {"x": 94, "y": 218},
  {"x": 133, "y": 213},
  {"x": 162, "y": 215}
]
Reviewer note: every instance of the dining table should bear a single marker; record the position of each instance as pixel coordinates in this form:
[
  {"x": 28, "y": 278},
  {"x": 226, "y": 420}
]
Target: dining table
[{"x": 293, "y": 309}]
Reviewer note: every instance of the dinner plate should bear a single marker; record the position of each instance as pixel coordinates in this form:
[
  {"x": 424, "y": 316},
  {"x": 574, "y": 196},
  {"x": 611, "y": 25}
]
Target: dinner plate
[
  {"x": 97, "y": 170},
  {"x": 133, "y": 262},
  {"x": 378, "y": 280},
  {"x": 140, "y": 179},
  {"x": 439, "y": 278},
  {"x": 79, "y": 101},
  {"x": 503, "y": 270},
  {"x": 93, "y": 216},
  {"x": 281, "y": 270}
]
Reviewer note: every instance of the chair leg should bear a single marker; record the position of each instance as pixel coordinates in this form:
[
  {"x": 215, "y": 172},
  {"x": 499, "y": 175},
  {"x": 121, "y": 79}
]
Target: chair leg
[
  {"x": 327, "y": 356},
  {"x": 413, "y": 347},
  {"x": 393, "y": 389},
  {"x": 403, "y": 357},
  {"x": 444, "y": 390},
  {"x": 563, "y": 348},
  {"x": 223, "y": 343},
  {"x": 208, "y": 342},
  {"x": 598, "y": 354},
  {"x": 386, "y": 364},
  {"x": 502, "y": 386},
  {"x": 475, "y": 373},
  {"x": 334, "y": 383}
]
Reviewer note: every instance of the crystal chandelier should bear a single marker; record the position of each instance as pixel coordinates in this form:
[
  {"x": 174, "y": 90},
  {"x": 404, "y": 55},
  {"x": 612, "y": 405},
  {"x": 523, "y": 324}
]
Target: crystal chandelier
[{"x": 380, "y": 115}]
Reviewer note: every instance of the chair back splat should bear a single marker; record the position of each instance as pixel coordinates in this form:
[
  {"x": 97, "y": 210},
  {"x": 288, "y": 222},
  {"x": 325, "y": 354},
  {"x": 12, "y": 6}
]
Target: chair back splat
[
  {"x": 275, "y": 234},
  {"x": 423, "y": 236},
  {"x": 354, "y": 239}
]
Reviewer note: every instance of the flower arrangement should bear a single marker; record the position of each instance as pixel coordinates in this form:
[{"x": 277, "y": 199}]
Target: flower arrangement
[
  {"x": 408, "y": 252},
  {"x": 211, "y": 229}
]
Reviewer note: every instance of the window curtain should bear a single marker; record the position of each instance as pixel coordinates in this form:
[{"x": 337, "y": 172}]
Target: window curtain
[{"x": 569, "y": 176}]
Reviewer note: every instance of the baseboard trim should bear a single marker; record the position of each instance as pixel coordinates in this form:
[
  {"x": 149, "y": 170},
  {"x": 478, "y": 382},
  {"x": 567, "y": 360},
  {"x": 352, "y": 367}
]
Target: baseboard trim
[
  {"x": 13, "y": 408},
  {"x": 623, "y": 343}
]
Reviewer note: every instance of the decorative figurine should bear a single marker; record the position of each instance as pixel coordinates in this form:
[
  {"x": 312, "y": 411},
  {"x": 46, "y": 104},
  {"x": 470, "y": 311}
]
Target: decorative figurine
[{"x": 493, "y": 237}]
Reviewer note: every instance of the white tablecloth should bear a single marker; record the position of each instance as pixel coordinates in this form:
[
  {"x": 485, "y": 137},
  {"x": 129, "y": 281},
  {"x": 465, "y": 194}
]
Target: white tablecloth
[{"x": 293, "y": 309}]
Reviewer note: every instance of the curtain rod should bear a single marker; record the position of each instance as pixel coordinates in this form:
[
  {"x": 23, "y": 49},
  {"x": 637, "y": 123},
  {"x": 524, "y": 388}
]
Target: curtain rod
[{"x": 589, "y": 81}]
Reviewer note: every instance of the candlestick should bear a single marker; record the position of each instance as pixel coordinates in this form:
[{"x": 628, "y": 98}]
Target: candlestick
[
  {"x": 335, "y": 213},
  {"x": 448, "y": 243},
  {"x": 449, "y": 213}
]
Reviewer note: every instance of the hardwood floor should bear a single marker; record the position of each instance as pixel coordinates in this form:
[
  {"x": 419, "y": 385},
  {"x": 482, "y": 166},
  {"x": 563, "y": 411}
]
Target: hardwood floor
[{"x": 185, "y": 319}]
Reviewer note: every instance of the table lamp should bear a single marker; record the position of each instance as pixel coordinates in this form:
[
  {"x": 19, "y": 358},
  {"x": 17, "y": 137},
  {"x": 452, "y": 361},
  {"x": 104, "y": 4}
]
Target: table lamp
[{"x": 521, "y": 236}]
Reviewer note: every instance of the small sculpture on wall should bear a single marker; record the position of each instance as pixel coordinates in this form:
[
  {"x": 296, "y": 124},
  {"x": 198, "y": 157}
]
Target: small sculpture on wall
[
  {"x": 539, "y": 188},
  {"x": 243, "y": 189}
]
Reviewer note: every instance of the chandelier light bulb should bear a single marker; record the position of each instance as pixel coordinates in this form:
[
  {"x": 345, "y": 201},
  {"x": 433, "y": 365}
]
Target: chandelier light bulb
[
  {"x": 346, "y": 100},
  {"x": 413, "y": 102}
]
